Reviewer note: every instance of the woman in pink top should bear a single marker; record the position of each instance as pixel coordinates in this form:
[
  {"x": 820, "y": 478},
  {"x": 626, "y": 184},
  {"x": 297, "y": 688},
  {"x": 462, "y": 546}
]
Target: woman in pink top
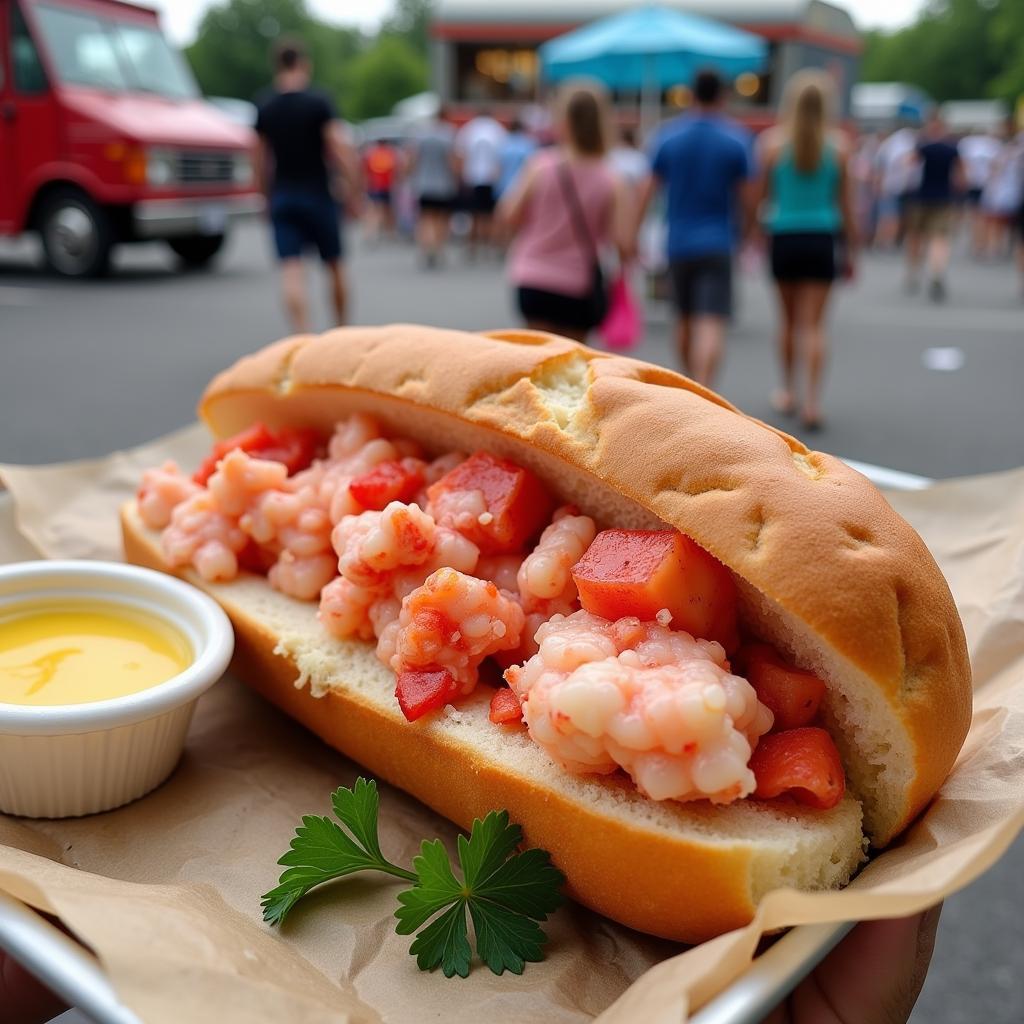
[{"x": 564, "y": 209}]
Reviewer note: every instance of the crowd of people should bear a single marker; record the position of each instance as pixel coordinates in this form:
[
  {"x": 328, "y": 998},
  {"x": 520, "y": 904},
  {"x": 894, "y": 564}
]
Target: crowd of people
[
  {"x": 914, "y": 186},
  {"x": 557, "y": 200},
  {"x": 789, "y": 193}
]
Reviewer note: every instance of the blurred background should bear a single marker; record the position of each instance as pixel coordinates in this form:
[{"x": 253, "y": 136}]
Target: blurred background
[{"x": 137, "y": 257}]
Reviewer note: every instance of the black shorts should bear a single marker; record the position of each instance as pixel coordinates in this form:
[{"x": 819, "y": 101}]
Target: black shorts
[
  {"x": 973, "y": 196},
  {"x": 442, "y": 204},
  {"x": 380, "y": 196},
  {"x": 556, "y": 309},
  {"x": 305, "y": 219},
  {"x": 703, "y": 285},
  {"x": 482, "y": 199},
  {"x": 804, "y": 256}
]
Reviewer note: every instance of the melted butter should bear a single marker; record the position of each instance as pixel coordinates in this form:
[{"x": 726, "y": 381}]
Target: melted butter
[{"x": 68, "y": 652}]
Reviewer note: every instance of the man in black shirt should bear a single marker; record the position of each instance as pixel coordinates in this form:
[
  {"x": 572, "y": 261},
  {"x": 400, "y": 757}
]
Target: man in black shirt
[{"x": 301, "y": 142}]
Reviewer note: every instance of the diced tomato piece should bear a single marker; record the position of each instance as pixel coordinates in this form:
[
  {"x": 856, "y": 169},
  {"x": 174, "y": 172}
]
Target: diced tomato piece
[
  {"x": 420, "y": 691},
  {"x": 206, "y": 468},
  {"x": 505, "y": 707},
  {"x": 791, "y": 694},
  {"x": 801, "y": 763},
  {"x": 255, "y": 437},
  {"x": 253, "y": 558},
  {"x": 296, "y": 447},
  {"x": 387, "y": 482},
  {"x": 639, "y": 572},
  {"x": 517, "y": 502}
]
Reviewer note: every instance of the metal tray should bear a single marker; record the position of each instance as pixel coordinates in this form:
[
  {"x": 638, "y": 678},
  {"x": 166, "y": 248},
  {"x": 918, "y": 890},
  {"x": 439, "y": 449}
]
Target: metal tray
[{"x": 75, "y": 974}]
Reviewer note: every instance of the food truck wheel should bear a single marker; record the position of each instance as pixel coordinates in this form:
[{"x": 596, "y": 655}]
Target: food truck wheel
[
  {"x": 196, "y": 250},
  {"x": 76, "y": 234}
]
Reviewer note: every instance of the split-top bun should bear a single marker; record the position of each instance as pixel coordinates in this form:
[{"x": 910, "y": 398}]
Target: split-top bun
[{"x": 826, "y": 570}]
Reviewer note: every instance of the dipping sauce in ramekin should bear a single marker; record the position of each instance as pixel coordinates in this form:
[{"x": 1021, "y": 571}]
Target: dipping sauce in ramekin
[
  {"x": 71, "y": 651},
  {"x": 100, "y": 668}
]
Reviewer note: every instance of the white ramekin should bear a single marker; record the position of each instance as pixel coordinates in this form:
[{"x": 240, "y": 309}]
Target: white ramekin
[{"x": 72, "y": 759}]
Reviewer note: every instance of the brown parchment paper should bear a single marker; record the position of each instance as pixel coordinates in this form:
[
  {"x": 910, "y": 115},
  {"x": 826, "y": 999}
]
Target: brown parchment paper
[{"x": 166, "y": 890}]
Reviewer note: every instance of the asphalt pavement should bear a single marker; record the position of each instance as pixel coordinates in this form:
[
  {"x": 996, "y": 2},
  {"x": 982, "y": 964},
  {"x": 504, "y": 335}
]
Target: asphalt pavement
[
  {"x": 86, "y": 368},
  {"x": 152, "y": 337}
]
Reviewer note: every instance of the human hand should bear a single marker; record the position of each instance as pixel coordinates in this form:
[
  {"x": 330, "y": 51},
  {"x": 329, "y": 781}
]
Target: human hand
[
  {"x": 355, "y": 206},
  {"x": 873, "y": 976},
  {"x": 25, "y": 1000},
  {"x": 752, "y": 256}
]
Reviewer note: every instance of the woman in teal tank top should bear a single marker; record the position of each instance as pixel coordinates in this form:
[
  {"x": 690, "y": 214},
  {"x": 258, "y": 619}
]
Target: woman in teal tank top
[
  {"x": 805, "y": 205},
  {"x": 805, "y": 202}
]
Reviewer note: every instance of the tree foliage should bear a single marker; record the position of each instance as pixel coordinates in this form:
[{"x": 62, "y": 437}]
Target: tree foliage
[
  {"x": 231, "y": 54},
  {"x": 957, "y": 49},
  {"x": 411, "y": 21},
  {"x": 384, "y": 74}
]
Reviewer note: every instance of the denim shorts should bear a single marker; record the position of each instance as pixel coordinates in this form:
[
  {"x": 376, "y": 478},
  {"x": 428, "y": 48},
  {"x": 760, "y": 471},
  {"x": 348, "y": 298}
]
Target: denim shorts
[
  {"x": 304, "y": 219},
  {"x": 703, "y": 284}
]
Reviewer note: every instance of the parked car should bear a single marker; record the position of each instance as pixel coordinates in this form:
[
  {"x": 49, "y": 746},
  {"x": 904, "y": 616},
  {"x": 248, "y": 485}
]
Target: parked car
[
  {"x": 235, "y": 110},
  {"x": 104, "y": 138}
]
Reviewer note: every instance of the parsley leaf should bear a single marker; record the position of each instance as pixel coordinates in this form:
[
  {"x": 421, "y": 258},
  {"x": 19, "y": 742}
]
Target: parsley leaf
[
  {"x": 505, "y": 941},
  {"x": 322, "y": 850},
  {"x": 506, "y": 893},
  {"x": 358, "y": 808},
  {"x": 444, "y": 942},
  {"x": 436, "y": 887}
]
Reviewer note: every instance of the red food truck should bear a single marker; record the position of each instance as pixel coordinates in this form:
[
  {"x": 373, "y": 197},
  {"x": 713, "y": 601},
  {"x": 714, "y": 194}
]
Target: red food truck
[{"x": 104, "y": 138}]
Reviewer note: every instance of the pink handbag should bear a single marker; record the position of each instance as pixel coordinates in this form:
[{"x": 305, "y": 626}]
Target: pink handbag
[{"x": 623, "y": 326}]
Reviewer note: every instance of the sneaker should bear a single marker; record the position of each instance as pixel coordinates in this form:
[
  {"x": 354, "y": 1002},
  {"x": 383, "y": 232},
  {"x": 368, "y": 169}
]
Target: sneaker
[{"x": 937, "y": 290}]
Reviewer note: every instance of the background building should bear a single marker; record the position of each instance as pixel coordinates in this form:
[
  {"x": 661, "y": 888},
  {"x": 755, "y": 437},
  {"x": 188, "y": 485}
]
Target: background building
[{"x": 484, "y": 52}]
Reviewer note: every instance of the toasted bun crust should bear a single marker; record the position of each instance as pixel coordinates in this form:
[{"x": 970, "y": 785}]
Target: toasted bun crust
[
  {"x": 826, "y": 569},
  {"x": 685, "y": 872}
]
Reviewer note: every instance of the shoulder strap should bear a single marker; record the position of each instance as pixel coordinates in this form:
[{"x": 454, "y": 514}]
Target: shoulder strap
[{"x": 579, "y": 223}]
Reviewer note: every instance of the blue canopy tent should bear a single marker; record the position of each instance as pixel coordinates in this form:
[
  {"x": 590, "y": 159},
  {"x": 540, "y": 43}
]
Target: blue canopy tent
[{"x": 650, "y": 48}]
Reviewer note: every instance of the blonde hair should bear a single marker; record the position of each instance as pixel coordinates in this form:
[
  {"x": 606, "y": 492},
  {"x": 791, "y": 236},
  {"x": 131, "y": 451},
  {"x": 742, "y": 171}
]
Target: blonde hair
[
  {"x": 583, "y": 110},
  {"x": 807, "y": 106}
]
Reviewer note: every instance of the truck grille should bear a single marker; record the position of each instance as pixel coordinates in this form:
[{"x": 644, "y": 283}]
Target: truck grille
[{"x": 205, "y": 168}]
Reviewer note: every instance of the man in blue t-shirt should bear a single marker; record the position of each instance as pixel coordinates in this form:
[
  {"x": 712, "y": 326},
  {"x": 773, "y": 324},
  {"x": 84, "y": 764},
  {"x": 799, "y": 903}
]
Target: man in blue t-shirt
[{"x": 702, "y": 160}]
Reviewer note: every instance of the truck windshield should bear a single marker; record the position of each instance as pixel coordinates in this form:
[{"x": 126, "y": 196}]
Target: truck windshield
[{"x": 119, "y": 56}]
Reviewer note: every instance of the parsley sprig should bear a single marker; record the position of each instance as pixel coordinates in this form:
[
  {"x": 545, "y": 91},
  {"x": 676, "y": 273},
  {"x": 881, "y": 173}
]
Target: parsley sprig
[
  {"x": 505, "y": 893},
  {"x": 322, "y": 850}
]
